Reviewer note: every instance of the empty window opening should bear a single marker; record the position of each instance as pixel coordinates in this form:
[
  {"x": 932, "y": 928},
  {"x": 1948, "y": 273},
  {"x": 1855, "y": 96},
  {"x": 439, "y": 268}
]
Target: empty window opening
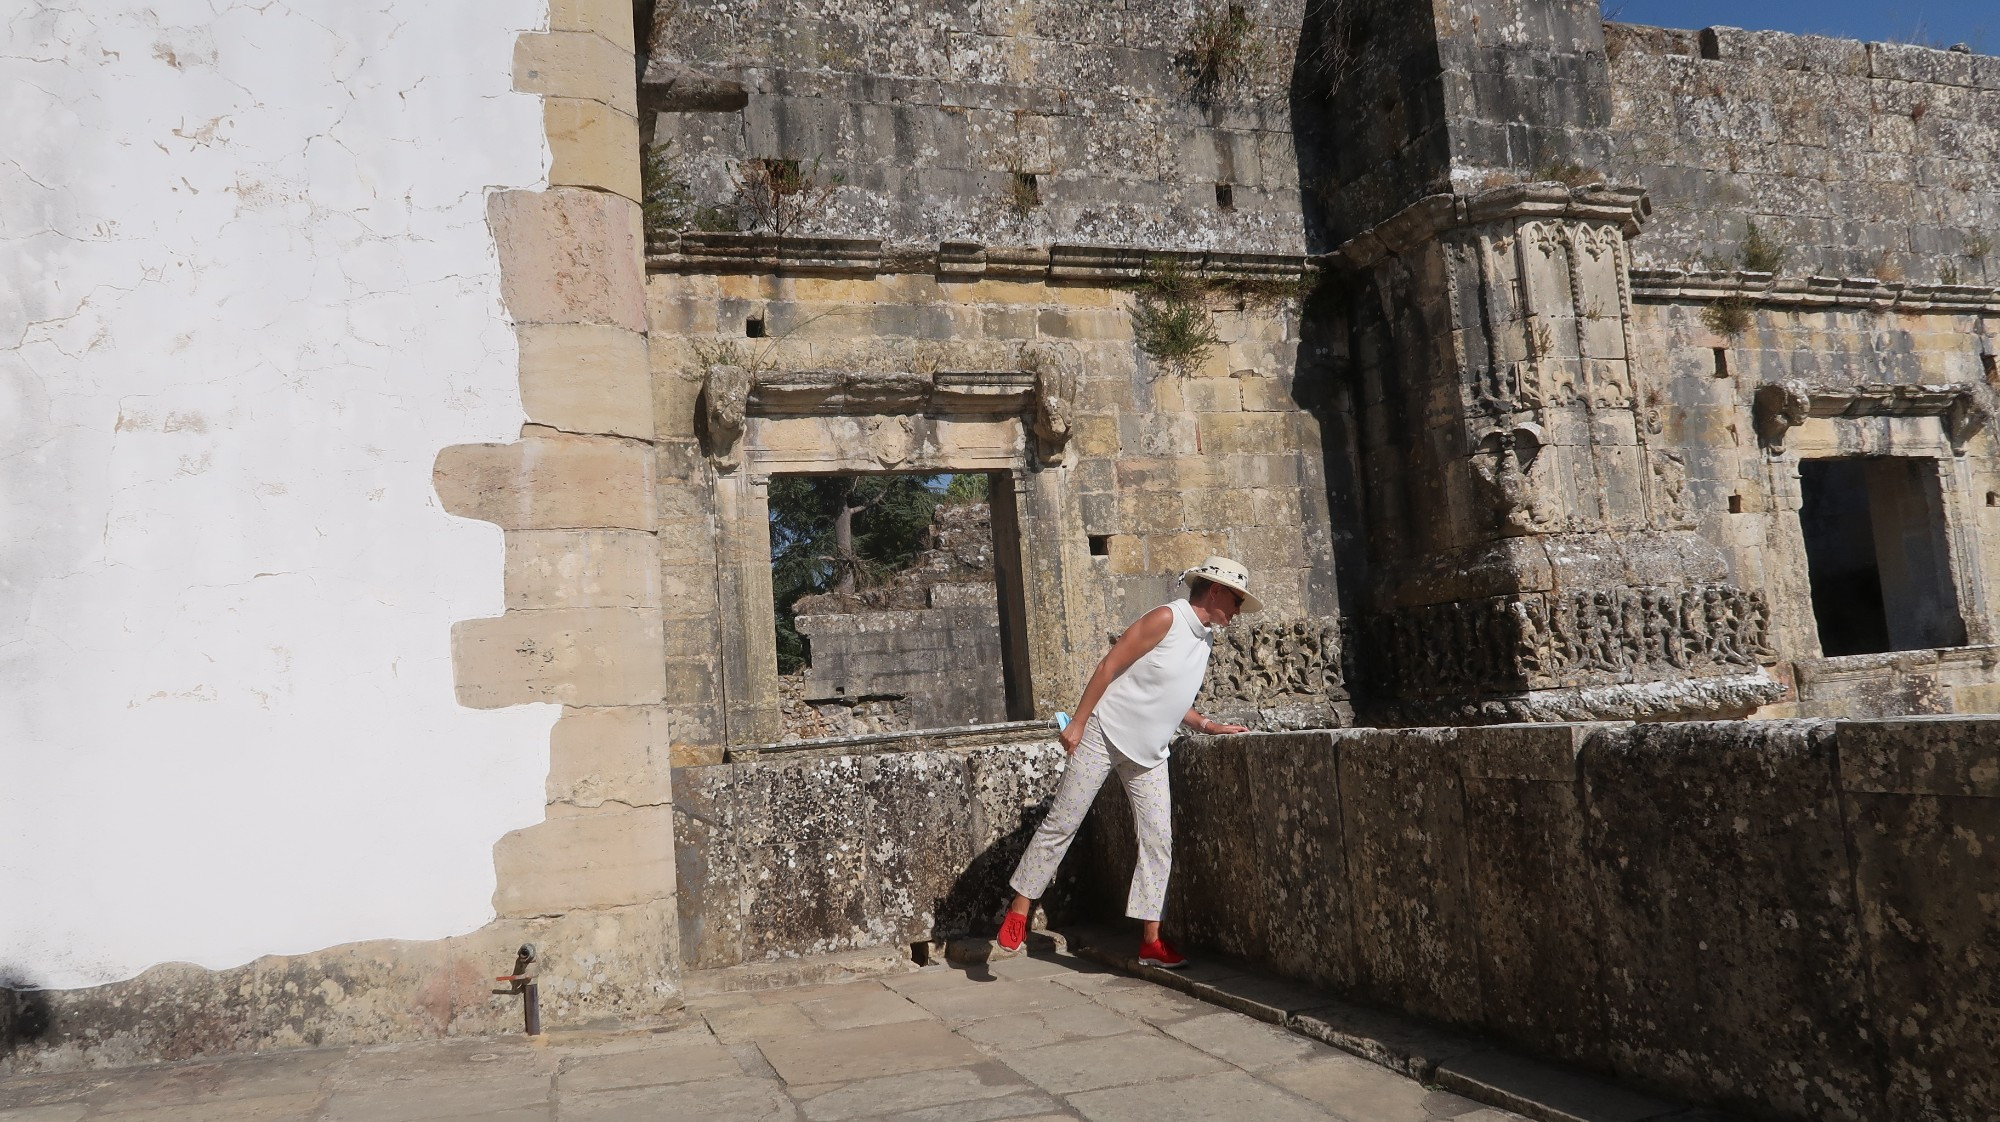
[
  {"x": 1711, "y": 45},
  {"x": 1225, "y": 196},
  {"x": 1993, "y": 498},
  {"x": 1026, "y": 191},
  {"x": 895, "y": 609},
  {"x": 1722, "y": 362},
  {"x": 1876, "y": 556},
  {"x": 1736, "y": 504},
  {"x": 1100, "y": 545},
  {"x": 753, "y": 327},
  {"x": 1991, "y": 365}
]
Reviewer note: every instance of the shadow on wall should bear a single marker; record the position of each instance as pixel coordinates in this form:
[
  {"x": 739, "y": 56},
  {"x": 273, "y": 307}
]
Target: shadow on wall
[{"x": 25, "y": 1015}]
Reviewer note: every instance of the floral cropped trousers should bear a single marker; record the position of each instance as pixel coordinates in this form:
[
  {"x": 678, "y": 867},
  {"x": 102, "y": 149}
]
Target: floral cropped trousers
[{"x": 1152, "y": 816}]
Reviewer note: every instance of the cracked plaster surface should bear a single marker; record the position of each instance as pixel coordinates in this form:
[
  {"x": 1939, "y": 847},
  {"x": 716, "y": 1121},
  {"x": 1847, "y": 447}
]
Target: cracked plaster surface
[{"x": 247, "y": 291}]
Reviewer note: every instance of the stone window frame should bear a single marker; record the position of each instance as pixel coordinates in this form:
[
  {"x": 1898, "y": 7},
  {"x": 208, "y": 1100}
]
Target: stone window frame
[
  {"x": 1860, "y": 424},
  {"x": 1004, "y": 424}
]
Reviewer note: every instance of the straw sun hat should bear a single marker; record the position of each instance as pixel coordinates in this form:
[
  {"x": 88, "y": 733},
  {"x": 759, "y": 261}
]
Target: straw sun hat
[{"x": 1228, "y": 574}]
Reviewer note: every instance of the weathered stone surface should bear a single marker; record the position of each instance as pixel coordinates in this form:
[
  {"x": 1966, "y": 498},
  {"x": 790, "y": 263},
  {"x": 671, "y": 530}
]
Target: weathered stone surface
[
  {"x": 1923, "y": 800},
  {"x": 549, "y": 482},
  {"x": 569, "y": 255},
  {"x": 592, "y": 145},
  {"x": 586, "y": 378},
  {"x": 605, "y": 755},
  {"x": 581, "y": 862},
  {"x": 582, "y": 569},
  {"x": 572, "y": 64},
  {"x": 570, "y": 656},
  {"x": 610, "y": 18}
]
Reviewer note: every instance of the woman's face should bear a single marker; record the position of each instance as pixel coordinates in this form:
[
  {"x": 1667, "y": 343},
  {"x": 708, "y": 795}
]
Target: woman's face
[{"x": 1221, "y": 604}]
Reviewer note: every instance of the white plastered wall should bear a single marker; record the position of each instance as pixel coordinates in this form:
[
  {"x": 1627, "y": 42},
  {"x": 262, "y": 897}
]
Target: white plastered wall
[{"x": 247, "y": 292}]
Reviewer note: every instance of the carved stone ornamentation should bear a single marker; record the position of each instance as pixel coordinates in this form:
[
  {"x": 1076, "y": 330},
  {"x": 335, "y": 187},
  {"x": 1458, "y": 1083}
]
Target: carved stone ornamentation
[
  {"x": 1778, "y": 408},
  {"x": 1504, "y": 469},
  {"x": 1670, "y": 490},
  {"x": 1276, "y": 674},
  {"x": 1964, "y": 419},
  {"x": 1056, "y": 372},
  {"x": 725, "y": 397},
  {"x": 1544, "y": 641}
]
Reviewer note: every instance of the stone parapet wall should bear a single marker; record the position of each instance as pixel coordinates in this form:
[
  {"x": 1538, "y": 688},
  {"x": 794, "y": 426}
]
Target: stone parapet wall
[
  {"x": 789, "y": 856},
  {"x": 1793, "y": 918},
  {"x": 1865, "y": 159}
]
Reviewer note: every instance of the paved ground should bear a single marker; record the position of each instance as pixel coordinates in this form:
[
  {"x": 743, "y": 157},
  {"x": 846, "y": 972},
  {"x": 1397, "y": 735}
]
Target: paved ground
[{"x": 1026, "y": 1039}]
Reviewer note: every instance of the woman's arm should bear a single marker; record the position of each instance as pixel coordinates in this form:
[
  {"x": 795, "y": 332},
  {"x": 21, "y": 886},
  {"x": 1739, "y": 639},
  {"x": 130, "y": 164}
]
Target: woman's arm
[
  {"x": 1139, "y": 638},
  {"x": 1199, "y": 723}
]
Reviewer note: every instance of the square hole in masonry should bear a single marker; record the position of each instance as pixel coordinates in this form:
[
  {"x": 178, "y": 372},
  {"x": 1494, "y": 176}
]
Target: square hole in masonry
[
  {"x": 1100, "y": 545},
  {"x": 1225, "y": 196},
  {"x": 753, "y": 328}
]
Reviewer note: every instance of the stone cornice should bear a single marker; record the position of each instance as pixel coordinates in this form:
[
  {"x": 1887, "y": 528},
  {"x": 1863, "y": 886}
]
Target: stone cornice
[
  {"x": 960, "y": 261},
  {"x": 1676, "y": 286},
  {"x": 838, "y": 392},
  {"x": 1427, "y": 218}
]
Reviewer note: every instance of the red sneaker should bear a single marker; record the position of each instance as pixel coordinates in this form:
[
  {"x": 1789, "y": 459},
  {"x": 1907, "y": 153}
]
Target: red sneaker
[
  {"x": 1014, "y": 931},
  {"x": 1158, "y": 953}
]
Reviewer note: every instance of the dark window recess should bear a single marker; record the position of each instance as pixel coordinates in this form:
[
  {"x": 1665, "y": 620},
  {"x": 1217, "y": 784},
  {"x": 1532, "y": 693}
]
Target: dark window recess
[
  {"x": 754, "y": 327},
  {"x": 1736, "y": 504},
  {"x": 1876, "y": 556},
  {"x": 1225, "y": 196},
  {"x": 1100, "y": 545},
  {"x": 1721, "y": 362},
  {"x": 1991, "y": 365},
  {"x": 1711, "y": 45},
  {"x": 1993, "y": 498}
]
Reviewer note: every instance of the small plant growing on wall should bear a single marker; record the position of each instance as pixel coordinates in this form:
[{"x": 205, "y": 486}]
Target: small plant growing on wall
[
  {"x": 670, "y": 204},
  {"x": 1223, "y": 49},
  {"x": 1024, "y": 193},
  {"x": 777, "y": 195},
  {"x": 1728, "y": 317},
  {"x": 1568, "y": 174},
  {"x": 1759, "y": 253},
  {"x": 1170, "y": 321}
]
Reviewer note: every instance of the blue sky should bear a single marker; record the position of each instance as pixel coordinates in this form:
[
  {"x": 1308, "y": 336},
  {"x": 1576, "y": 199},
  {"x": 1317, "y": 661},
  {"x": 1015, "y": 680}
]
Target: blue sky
[{"x": 1937, "y": 22}]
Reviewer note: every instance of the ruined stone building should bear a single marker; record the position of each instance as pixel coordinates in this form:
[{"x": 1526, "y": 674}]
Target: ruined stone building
[{"x": 389, "y": 513}]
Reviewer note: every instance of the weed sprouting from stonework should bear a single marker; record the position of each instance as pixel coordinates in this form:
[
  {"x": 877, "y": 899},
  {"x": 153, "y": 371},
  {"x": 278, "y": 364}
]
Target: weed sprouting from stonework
[
  {"x": 1759, "y": 253},
  {"x": 1978, "y": 246},
  {"x": 670, "y": 204},
  {"x": 777, "y": 195},
  {"x": 1223, "y": 49},
  {"x": 1948, "y": 273},
  {"x": 1728, "y": 317},
  {"x": 1340, "y": 34},
  {"x": 1024, "y": 193},
  {"x": 1170, "y": 322}
]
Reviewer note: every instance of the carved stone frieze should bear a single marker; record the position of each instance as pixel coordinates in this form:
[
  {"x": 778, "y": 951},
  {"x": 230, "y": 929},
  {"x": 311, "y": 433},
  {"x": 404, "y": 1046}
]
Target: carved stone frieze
[
  {"x": 1512, "y": 644},
  {"x": 1276, "y": 674},
  {"x": 1506, "y": 471},
  {"x": 1963, "y": 409}
]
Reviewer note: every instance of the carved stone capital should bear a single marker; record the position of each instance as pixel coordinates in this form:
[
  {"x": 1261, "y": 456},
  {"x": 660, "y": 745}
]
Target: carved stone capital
[
  {"x": 1778, "y": 408},
  {"x": 1057, "y": 371}
]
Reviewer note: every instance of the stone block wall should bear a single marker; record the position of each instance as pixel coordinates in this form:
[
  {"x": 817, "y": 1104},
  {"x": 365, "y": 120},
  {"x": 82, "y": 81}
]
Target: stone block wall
[
  {"x": 1866, "y": 159},
  {"x": 791, "y": 856},
  {"x": 1156, "y": 470},
  {"x": 1786, "y": 918},
  {"x": 929, "y": 114}
]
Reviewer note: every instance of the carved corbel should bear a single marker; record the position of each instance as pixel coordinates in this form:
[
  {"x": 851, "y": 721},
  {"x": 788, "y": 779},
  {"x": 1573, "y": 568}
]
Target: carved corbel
[
  {"x": 1056, "y": 372},
  {"x": 725, "y": 398},
  {"x": 1504, "y": 468},
  {"x": 1778, "y": 408},
  {"x": 1963, "y": 420}
]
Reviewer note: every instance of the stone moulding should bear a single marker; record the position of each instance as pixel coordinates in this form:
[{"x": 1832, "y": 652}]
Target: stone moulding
[
  {"x": 967, "y": 261},
  {"x": 962, "y": 738},
  {"x": 1426, "y": 218},
  {"x": 1779, "y": 407},
  {"x": 1682, "y": 699},
  {"x": 1676, "y": 286}
]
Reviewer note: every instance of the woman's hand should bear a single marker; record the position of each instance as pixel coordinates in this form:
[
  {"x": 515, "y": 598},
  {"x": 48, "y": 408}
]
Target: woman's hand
[
  {"x": 1225, "y": 730},
  {"x": 1071, "y": 736}
]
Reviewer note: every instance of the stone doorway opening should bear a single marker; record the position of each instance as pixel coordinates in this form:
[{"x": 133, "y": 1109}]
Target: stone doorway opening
[
  {"x": 1877, "y": 555},
  {"x": 897, "y": 602}
]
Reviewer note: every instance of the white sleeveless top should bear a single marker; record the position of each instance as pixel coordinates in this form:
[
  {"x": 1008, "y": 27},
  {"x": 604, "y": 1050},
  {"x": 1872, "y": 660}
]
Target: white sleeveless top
[{"x": 1143, "y": 706}]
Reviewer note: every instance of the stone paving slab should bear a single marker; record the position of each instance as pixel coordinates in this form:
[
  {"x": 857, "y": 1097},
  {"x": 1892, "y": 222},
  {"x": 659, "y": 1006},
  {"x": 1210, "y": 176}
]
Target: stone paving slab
[{"x": 1027, "y": 1039}]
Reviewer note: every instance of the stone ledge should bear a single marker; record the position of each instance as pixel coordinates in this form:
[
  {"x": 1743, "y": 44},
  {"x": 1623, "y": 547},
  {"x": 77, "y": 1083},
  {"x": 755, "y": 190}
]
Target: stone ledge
[{"x": 1460, "y": 1064}]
